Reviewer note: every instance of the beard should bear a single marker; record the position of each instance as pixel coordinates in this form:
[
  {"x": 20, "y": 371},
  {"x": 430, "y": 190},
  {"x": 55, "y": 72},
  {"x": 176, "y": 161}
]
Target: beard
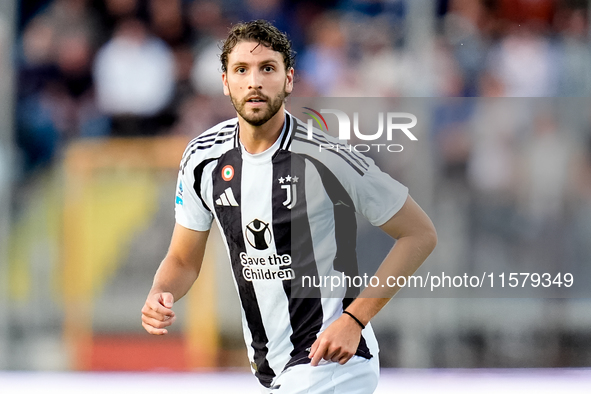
[{"x": 259, "y": 116}]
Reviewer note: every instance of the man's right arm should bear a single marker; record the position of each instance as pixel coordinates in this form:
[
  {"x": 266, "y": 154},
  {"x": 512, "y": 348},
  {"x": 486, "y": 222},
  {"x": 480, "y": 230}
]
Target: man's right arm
[{"x": 175, "y": 276}]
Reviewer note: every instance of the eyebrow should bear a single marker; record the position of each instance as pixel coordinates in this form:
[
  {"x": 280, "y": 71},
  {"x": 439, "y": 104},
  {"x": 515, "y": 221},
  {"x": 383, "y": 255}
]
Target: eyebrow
[{"x": 235, "y": 64}]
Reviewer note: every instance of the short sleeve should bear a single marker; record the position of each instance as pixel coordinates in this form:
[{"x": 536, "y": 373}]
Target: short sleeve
[
  {"x": 376, "y": 195},
  {"x": 373, "y": 193},
  {"x": 189, "y": 209}
]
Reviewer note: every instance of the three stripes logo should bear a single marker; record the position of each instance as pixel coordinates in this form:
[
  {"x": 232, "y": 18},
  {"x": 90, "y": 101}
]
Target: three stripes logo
[{"x": 227, "y": 199}]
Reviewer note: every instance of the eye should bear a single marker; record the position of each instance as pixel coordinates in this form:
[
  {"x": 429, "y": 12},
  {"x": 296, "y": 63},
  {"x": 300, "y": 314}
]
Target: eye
[
  {"x": 268, "y": 68},
  {"x": 240, "y": 70}
]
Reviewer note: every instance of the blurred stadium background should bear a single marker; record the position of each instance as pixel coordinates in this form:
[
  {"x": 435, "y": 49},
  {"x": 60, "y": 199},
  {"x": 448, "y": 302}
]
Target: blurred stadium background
[{"x": 99, "y": 97}]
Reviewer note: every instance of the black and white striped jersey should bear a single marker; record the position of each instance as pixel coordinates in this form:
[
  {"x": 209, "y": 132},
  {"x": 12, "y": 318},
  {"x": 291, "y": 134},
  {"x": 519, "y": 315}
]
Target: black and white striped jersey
[{"x": 284, "y": 213}]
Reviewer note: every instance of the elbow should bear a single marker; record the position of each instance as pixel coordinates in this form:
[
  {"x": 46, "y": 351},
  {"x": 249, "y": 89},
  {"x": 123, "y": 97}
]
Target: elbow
[
  {"x": 432, "y": 243},
  {"x": 430, "y": 238}
]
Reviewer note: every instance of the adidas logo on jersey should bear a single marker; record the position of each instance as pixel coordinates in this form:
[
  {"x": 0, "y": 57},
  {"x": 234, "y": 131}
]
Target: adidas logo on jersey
[{"x": 227, "y": 199}]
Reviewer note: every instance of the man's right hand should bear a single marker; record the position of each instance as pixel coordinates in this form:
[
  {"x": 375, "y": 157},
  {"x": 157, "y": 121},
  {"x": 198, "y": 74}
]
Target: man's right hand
[{"x": 157, "y": 313}]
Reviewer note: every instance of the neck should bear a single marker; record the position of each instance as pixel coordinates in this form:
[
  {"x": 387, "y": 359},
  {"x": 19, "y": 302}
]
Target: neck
[{"x": 257, "y": 139}]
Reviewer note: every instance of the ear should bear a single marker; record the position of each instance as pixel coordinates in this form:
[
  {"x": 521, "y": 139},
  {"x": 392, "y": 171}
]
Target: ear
[
  {"x": 289, "y": 83},
  {"x": 225, "y": 81}
]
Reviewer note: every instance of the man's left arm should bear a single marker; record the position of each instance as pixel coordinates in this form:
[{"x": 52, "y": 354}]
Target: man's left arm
[{"x": 415, "y": 239}]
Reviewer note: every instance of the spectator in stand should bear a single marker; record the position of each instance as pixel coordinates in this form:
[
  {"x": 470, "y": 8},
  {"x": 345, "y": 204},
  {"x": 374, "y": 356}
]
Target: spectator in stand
[
  {"x": 134, "y": 76},
  {"x": 462, "y": 30},
  {"x": 167, "y": 21},
  {"x": 56, "y": 94},
  {"x": 324, "y": 62},
  {"x": 575, "y": 75},
  {"x": 525, "y": 64},
  {"x": 112, "y": 12}
]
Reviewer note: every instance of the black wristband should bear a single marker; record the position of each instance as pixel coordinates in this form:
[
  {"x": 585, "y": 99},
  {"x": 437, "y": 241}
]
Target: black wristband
[{"x": 356, "y": 319}]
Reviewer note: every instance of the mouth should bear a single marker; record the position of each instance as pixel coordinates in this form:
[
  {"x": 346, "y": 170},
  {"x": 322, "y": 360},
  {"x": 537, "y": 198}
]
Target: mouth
[{"x": 256, "y": 99}]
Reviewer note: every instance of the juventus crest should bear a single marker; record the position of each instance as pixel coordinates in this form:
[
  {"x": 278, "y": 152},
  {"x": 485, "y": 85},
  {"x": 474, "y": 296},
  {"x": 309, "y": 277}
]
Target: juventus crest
[{"x": 289, "y": 184}]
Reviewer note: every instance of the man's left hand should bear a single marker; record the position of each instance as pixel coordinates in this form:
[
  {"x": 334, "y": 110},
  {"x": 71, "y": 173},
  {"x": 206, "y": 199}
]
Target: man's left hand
[{"x": 337, "y": 343}]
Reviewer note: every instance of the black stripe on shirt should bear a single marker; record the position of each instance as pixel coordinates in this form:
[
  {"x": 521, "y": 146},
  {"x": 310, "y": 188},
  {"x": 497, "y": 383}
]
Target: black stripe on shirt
[
  {"x": 198, "y": 176},
  {"x": 226, "y": 130},
  {"x": 294, "y": 122},
  {"x": 230, "y": 220},
  {"x": 287, "y": 132},
  {"x": 207, "y": 137},
  {"x": 346, "y": 236},
  {"x": 321, "y": 139},
  {"x": 236, "y": 136},
  {"x": 342, "y": 148},
  {"x": 291, "y": 230},
  {"x": 356, "y": 168},
  {"x": 202, "y": 147}
]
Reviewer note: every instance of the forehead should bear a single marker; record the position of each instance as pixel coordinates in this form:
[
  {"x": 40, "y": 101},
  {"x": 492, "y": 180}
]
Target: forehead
[{"x": 252, "y": 51}]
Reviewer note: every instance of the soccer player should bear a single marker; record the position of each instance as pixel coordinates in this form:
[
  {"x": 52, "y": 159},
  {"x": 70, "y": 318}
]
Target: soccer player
[{"x": 285, "y": 211}]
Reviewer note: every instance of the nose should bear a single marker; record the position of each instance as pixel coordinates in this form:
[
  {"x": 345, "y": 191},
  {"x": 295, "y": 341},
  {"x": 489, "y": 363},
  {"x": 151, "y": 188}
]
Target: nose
[{"x": 255, "y": 80}]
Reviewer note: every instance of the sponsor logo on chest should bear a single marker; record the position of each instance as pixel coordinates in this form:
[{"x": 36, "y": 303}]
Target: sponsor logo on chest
[{"x": 270, "y": 267}]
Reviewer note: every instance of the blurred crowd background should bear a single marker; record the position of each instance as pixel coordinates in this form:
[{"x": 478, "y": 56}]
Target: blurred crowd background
[
  {"x": 90, "y": 68},
  {"x": 96, "y": 92}
]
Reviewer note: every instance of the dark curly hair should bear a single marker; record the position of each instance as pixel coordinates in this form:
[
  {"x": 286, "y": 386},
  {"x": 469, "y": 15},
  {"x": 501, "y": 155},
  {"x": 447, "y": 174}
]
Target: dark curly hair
[{"x": 264, "y": 33}]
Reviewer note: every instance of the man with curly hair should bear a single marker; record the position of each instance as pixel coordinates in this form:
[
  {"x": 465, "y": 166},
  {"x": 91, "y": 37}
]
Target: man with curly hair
[{"x": 285, "y": 211}]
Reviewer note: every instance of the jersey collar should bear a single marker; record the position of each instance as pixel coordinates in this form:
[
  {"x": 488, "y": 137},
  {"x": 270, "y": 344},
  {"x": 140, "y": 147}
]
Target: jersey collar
[{"x": 268, "y": 154}]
